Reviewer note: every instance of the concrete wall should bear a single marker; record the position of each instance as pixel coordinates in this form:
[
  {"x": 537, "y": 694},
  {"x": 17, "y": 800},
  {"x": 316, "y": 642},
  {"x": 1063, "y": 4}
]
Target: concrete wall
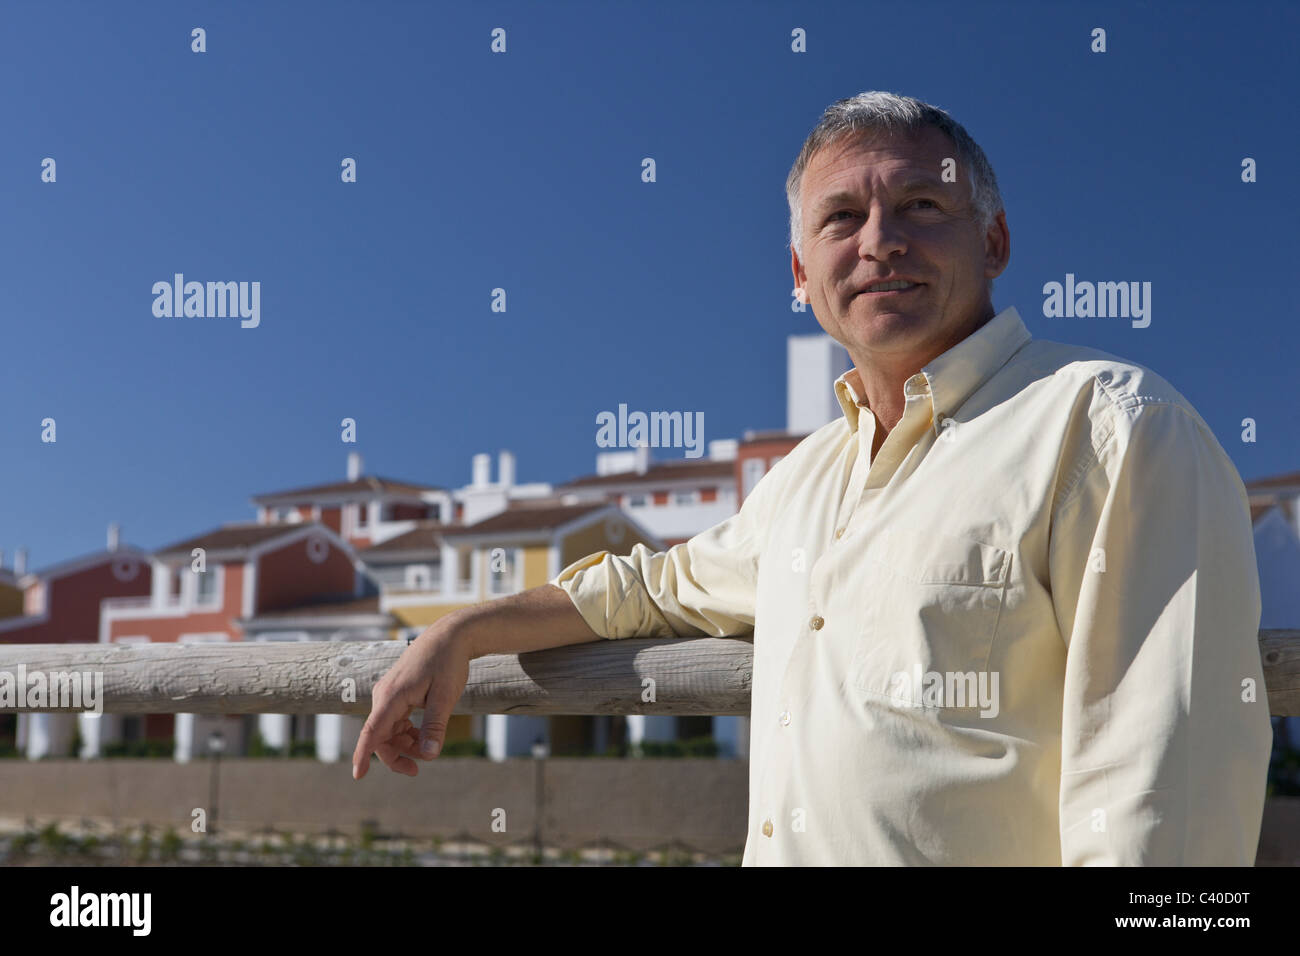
[{"x": 640, "y": 804}]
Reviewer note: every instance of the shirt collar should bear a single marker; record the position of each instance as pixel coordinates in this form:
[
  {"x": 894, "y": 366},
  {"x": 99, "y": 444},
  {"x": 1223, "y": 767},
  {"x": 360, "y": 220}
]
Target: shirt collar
[{"x": 952, "y": 377}]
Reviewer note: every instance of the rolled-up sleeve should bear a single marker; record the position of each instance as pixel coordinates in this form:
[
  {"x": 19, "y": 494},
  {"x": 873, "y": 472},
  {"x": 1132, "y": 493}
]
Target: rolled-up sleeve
[
  {"x": 702, "y": 587},
  {"x": 1165, "y": 732}
]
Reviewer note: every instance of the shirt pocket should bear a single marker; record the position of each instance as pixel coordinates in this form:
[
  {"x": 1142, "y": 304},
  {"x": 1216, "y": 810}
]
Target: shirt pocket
[{"x": 931, "y": 606}]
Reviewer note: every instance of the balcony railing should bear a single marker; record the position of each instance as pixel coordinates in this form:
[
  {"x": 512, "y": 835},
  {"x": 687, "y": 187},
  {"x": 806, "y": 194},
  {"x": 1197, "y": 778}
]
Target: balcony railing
[{"x": 693, "y": 676}]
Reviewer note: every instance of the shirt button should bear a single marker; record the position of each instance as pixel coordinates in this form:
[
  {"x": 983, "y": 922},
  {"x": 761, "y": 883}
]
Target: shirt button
[
  {"x": 785, "y": 718},
  {"x": 767, "y": 828},
  {"x": 839, "y": 533},
  {"x": 817, "y": 622}
]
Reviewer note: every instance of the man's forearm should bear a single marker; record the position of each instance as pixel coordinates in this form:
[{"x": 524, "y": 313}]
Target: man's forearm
[{"x": 532, "y": 620}]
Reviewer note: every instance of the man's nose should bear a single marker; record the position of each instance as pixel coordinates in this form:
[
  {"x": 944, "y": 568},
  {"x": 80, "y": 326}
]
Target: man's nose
[{"x": 881, "y": 236}]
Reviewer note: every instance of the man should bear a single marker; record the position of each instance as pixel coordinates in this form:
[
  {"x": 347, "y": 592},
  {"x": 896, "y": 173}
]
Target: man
[{"x": 1005, "y": 610}]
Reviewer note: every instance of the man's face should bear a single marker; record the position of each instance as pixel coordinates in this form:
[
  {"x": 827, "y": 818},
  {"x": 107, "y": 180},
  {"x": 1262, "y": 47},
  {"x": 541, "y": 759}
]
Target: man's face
[{"x": 876, "y": 208}]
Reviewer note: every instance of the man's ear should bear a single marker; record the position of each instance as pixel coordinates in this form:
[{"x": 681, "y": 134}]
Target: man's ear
[{"x": 797, "y": 268}]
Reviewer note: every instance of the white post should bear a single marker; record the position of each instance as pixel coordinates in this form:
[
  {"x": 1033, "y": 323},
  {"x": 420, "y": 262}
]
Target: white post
[
  {"x": 96, "y": 731},
  {"x": 184, "y": 738},
  {"x": 50, "y": 735},
  {"x": 274, "y": 729},
  {"x": 337, "y": 736}
]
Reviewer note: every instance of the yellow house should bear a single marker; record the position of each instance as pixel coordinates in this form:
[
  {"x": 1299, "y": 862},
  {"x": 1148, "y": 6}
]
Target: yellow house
[{"x": 435, "y": 568}]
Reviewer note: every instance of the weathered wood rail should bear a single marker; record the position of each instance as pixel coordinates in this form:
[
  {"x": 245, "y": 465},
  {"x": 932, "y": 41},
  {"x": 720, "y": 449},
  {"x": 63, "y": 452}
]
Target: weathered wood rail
[{"x": 692, "y": 676}]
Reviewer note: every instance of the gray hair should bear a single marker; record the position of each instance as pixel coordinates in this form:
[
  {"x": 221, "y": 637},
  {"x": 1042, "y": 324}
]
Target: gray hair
[{"x": 875, "y": 112}]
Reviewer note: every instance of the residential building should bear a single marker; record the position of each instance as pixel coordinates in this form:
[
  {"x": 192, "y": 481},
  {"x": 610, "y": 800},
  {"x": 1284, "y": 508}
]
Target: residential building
[
  {"x": 209, "y": 588},
  {"x": 61, "y": 605},
  {"x": 363, "y": 509}
]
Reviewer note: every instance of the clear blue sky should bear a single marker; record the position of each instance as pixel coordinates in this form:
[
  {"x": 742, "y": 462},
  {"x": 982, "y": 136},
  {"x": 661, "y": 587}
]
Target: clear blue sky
[{"x": 522, "y": 171}]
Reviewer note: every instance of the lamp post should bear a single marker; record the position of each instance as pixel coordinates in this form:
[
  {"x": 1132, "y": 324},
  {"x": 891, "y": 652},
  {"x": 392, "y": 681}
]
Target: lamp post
[
  {"x": 216, "y": 744},
  {"x": 540, "y": 751}
]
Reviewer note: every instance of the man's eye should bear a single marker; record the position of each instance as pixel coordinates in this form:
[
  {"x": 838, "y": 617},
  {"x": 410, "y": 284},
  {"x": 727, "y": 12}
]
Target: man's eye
[
  {"x": 842, "y": 212},
  {"x": 930, "y": 201}
]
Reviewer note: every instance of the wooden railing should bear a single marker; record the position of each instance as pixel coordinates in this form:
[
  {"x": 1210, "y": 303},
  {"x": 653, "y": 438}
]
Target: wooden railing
[{"x": 691, "y": 676}]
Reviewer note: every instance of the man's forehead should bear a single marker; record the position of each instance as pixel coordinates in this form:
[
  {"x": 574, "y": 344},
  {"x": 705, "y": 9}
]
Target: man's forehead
[
  {"x": 898, "y": 159},
  {"x": 881, "y": 152}
]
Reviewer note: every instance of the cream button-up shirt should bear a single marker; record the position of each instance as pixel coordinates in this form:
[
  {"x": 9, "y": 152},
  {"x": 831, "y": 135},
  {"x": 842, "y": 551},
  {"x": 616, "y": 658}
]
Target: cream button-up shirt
[{"x": 1026, "y": 633}]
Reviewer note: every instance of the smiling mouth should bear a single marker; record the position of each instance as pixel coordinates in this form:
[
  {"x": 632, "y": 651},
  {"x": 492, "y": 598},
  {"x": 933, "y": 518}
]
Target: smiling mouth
[{"x": 885, "y": 289}]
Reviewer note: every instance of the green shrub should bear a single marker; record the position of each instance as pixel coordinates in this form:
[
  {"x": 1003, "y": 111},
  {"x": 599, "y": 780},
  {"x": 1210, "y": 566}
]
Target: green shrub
[{"x": 464, "y": 748}]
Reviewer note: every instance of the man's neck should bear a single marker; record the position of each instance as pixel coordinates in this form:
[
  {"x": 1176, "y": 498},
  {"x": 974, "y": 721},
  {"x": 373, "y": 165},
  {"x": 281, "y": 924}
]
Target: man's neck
[{"x": 881, "y": 386}]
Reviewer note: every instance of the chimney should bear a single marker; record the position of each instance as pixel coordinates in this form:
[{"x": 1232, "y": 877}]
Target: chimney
[
  {"x": 482, "y": 468},
  {"x": 506, "y": 469},
  {"x": 354, "y": 465},
  {"x": 114, "y": 535},
  {"x": 20, "y": 562},
  {"x": 2, "y": 559},
  {"x": 642, "y": 459}
]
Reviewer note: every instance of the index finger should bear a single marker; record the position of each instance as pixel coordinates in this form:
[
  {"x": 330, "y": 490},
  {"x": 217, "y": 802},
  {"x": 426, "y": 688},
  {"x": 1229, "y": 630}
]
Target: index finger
[{"x": 385, "y": 711}]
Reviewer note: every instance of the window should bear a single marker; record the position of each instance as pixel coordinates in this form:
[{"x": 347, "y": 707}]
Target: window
[
  {"x": 205, "y": 588},
  {"x": 684, "y": 497},
  {"x": 636, "y": 501},
  {"x": 362, "y": 511},
  {"x": 419, "y": 577}
]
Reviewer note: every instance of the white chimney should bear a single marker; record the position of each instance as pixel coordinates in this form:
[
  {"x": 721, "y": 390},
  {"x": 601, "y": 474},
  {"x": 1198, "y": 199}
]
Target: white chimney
[
  {"x": 642, "y": 459},
  {"x": 2, "y": 558},
  {"x": 354, "y": 465},
  {"x": 20, "y": 562},
  {"x": 506, "y": 469},
  {"x": 482, "y": 469},
  {"x": 114, "y": 535}
]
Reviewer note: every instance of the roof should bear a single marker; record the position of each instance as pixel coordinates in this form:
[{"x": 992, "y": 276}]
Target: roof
[
  {"x": 73, "y": 565},
  {"x": 365, "y": 485},
  {"x": 659, "y": 473},
  {"x": 425, "y": 536},
  {"x": 754, "y": 438},
  {"x": 1291, "y": 479},
  {"x": 333, "y": 607},
  {"x": 238, "y": 536},
  {"x": 528, "y": 516}
]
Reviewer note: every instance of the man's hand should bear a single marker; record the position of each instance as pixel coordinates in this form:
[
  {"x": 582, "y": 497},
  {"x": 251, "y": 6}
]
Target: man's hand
[
  {"x": 433, "y": 670},
  {"x": 431, "y": 673}
]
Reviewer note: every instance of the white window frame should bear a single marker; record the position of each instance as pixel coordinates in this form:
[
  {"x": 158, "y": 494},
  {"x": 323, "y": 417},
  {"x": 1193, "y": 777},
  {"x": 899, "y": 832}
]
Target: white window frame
[
  {"x": 509, "y": 582},
  {"x": 419, "y": 577},
  {"x": 190, "y": 589}
]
